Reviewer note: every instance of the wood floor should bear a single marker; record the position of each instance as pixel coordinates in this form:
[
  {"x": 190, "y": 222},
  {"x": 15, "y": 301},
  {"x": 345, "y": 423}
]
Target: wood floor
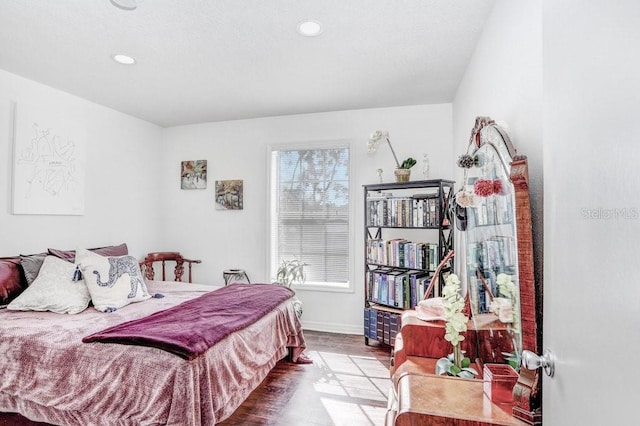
[{"x": 347, "y": 384}]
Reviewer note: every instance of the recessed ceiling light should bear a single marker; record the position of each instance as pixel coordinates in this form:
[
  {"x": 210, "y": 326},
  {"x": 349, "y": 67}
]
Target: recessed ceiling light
[
  {"x": 124, "y": 59},
  {"x": 125, "y": 4},
  {"x": 310, "y": 28}
]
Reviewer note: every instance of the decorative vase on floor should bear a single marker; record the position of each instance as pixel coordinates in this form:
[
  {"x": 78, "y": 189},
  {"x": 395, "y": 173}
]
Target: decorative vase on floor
[{"x": 402, "y": 175}]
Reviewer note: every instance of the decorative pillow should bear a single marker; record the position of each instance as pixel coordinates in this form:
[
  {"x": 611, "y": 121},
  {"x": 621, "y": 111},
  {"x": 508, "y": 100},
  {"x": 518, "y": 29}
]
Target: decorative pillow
[
  {"x": 70, "y": 255},
  {"x": 113, "y": 281},
  {"x": 31, "y": 264},
  {"x": 54, "y": 290},
  {"x": 12, "y": 281}
]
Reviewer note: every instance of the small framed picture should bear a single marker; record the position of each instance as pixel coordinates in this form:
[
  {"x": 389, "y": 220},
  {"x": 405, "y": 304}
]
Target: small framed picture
[
  {"x": 229, "y": 194},
  {"x": 193, "y": 174}
]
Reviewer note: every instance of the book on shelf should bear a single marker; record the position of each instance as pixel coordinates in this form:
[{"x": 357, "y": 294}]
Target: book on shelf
[
  {"x": 494, "y": 210},
  {"x": 367, "y": 329},
  {"x": 381, "y": 324},
  {"x": 386, "y": 336},
  {"x": 373, "y": 323},
  {"x": 396, "y": 288},
  {"x": 415, "y": 211},
  {"x": 401, "y": 253},
  {"x": 395, "y": 297},
  {"x": 394, "y": 324},
  {"x": 483, "y": 287},
  {"x": 495, "y": 253},
  {"x": 419, "y": 283}
]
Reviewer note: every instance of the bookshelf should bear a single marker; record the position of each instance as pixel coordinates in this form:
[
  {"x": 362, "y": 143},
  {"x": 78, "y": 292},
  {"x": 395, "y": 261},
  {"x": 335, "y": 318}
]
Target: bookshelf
[{"x": 407, "y": 233}]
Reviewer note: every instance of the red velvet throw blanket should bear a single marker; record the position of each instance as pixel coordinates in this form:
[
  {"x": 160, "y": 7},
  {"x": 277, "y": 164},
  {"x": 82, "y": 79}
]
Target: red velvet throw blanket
[{"x": 192, "y": 327}]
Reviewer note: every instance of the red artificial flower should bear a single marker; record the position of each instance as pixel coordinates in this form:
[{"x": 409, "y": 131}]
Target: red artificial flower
[
  {"x": 483, "y": 187},
  {"x": 497, "y": 186}
]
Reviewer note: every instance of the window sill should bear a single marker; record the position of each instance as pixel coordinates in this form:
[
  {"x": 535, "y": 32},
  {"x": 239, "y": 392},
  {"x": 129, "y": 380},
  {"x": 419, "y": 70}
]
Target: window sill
[{"x": 329, "y": 288}]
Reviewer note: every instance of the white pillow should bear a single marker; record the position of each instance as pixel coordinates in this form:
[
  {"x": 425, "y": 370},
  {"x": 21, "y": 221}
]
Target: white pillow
[
  {"x": 54, "y": 290},
  {"x": 113, "y": 281}
]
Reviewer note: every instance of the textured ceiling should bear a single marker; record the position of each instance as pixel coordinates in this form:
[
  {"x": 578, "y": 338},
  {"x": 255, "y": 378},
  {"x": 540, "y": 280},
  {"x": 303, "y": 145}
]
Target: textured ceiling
[{"x": 212, "y": 60}]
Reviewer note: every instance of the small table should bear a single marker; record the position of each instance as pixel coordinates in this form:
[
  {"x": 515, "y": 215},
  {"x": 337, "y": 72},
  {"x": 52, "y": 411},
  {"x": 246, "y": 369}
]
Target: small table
[{"x": 235, "y": 275}]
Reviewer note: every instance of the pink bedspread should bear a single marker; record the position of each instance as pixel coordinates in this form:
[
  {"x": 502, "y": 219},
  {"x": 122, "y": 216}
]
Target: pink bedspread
[
  {"x": 47, "y": 374},
  {"x": 192, "y": 327}
]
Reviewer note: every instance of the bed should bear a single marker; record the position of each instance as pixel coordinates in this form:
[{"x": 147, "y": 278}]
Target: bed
[{"x": 49, "y": 375}]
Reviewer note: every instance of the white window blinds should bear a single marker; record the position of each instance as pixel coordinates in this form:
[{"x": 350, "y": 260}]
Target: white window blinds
[{"x": 310, "y": 212}]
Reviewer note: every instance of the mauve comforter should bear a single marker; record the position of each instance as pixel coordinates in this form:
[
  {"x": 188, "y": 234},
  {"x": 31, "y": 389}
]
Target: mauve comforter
[
  {"x": 48, "y": 374},
  {"x": 194, "y": 326}
]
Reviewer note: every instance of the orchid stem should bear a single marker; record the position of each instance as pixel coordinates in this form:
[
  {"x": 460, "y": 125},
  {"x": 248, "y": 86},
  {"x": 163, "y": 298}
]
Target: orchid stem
[{"x": 393, "y": 152}]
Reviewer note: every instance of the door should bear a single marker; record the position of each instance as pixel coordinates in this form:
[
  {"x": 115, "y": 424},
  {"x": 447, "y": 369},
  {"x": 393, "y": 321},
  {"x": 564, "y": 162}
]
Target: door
[{"x": 591, "y": 159}]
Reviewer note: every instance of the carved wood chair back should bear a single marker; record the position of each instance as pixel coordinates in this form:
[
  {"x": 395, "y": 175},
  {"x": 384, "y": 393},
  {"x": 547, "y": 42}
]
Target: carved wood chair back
[{"x": 147, "y": 265}]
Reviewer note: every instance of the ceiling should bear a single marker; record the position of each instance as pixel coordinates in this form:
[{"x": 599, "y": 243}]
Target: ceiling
[{"x": 215, "y": 60}]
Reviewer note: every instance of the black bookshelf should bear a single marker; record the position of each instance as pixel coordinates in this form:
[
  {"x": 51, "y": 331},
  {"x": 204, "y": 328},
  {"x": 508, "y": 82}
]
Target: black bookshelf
[{"x": 408, "y": 231}]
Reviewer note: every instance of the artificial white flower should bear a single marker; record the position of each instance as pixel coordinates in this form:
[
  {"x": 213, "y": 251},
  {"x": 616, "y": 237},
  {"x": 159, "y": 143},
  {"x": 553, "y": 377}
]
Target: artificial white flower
[
  {"x": 456, "y": 321},
  {"x": 466, "y": 199},
  {"x": 378, "y": 134},
  {"x": 455, "y": 338},
  {"x": 374, "y": 142}
]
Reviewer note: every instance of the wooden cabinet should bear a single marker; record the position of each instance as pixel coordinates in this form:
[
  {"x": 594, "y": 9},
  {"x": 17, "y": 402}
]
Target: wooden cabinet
[
  {"x": 426, "y": 399},
  {"x": 419, "y": 397}
]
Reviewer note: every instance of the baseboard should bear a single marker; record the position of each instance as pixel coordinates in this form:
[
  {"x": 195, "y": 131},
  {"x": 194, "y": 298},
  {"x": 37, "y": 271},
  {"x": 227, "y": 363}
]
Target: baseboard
[{"x": 332, "y": 327}]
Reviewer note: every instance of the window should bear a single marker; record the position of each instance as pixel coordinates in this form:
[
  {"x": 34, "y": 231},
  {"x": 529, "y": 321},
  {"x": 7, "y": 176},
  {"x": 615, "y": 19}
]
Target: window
[{"x": 310, "y": 212}]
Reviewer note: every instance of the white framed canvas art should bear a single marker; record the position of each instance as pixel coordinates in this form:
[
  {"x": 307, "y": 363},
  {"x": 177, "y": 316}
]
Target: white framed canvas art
[
  {"x": 193, "y": 174},
  {"x": 49, "y": 158},
  {"x": 229, "y": 194}
]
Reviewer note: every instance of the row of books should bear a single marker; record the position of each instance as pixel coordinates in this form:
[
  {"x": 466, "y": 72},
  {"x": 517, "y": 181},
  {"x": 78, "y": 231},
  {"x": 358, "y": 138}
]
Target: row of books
[
  {"x": 402, "y": 253},
  {"x": 397, "y": 288},
  {"x": 418, "y": 211},
  {"x": 494, "y": 210},
  {"x": 479, "y": 296},
  {"x": 496, "y": 253},
  {"x": 380, "y": 325}
]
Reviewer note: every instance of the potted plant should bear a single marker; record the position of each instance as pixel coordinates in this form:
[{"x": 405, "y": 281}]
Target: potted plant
[
  {"x": 403, "y": 172},
  {"x": 456, "y": 324},
  {"x": 289, "y": 272}
]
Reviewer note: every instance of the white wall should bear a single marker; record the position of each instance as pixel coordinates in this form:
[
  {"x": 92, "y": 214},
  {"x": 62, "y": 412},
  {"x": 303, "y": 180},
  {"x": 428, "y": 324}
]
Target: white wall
[
  {"x": 133, "y": 190},
  {"x": 121, "y": 178},
  {"x": 238, "y": 150},
  {"x": 504, "y": 81}
]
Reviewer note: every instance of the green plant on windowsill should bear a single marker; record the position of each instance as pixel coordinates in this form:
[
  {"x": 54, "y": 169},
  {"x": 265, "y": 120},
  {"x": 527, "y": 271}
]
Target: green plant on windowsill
[{"x": 291, "y": 271}]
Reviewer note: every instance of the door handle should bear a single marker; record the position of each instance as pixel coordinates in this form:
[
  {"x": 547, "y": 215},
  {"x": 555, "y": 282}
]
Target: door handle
[{"x": 532, "y": 361}]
